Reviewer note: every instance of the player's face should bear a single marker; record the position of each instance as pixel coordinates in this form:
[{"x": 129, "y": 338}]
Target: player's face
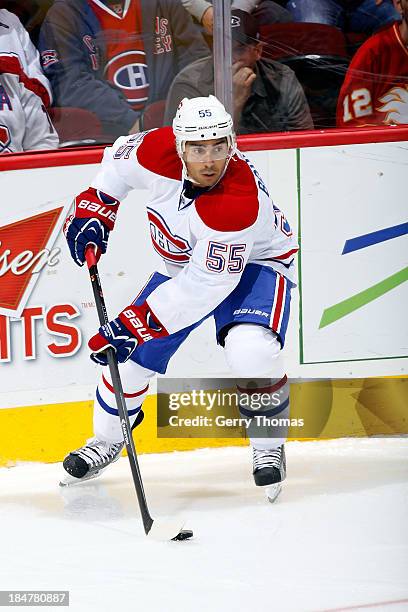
[{"x": 205, "y": 161}]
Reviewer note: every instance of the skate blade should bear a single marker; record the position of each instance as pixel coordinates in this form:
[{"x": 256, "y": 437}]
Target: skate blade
[
  {"x": 69, "y": 480},
  {"x": 272, "y": 491},
  {"x": 166, "y": 530}
]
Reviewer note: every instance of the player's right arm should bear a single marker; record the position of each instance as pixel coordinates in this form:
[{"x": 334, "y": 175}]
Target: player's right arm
[{"x": 95, "y": 209}]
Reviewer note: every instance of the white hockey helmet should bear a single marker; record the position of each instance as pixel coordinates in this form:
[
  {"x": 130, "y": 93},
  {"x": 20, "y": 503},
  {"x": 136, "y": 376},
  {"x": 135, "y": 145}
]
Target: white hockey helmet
[{"x": 203, "y": 118}]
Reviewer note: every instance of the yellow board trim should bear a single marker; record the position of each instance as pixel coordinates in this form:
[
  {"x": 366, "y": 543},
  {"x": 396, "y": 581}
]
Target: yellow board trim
[
  {"x": 47, "y": 433},
  {"x": 331, "y": 408}
]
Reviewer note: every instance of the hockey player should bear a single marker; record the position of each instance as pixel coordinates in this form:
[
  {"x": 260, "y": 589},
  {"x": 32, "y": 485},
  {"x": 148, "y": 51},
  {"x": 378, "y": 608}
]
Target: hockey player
[
  {"x": 25, "y": 92},
  {"x": 229, "y": 253}
]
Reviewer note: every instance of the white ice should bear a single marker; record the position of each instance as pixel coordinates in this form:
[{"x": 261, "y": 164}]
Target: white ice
[{"x": 336, "y": 538}]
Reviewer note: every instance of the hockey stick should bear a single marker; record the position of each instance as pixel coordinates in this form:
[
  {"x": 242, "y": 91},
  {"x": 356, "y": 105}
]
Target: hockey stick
[{"x": 171, "y": 530}]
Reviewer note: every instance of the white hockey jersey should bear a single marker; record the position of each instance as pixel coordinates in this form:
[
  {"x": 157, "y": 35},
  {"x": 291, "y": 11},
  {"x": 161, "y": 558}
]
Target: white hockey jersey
[
  {"x": 205, "y": 240},
  {"x": 25, "y": 92}
]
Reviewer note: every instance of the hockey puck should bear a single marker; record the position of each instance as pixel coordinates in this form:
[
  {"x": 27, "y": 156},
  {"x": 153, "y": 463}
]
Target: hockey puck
[{"x": 185, "y": 534}]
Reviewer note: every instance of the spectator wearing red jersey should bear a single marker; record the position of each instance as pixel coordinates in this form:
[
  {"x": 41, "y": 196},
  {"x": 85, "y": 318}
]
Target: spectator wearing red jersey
[
  {"x": 375, "y": 90},
  {"x": 116, "y": 57}
]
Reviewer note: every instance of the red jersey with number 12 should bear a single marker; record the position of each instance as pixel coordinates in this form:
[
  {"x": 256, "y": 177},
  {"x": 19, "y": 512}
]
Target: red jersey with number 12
[{"x": 375, "y": 90}]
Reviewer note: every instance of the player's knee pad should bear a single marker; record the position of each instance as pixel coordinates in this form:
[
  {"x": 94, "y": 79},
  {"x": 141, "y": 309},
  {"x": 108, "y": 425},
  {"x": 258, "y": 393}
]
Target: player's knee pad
[{"x": 253, "y": 350}]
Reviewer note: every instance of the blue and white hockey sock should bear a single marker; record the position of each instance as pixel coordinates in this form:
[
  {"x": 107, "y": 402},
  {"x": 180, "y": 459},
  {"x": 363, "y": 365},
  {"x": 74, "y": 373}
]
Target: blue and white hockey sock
[{"x": 106, "y": 422}]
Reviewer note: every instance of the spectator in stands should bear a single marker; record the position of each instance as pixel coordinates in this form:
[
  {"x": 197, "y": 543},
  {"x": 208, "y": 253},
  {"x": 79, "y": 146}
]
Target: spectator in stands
[
  {"x": 265, "y": 11},
  {"x": 348, "y": 15},
  {"x": 267, "y": 95},
  {"x": 25, "y": 92},
  {"x": 115, "y": 57},
  {"x": 375, "y": 90}
]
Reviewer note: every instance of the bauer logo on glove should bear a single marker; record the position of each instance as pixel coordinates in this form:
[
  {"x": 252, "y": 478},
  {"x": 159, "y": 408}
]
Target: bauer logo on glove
[
  {"x": 135, "y": 325},
  {"x": 93, "y": 219},
  {"x": 105, "y": 212}
]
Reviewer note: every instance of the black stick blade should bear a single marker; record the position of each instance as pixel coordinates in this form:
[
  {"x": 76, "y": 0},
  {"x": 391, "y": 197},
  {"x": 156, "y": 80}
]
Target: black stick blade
[{"x": 185, "y": 534}]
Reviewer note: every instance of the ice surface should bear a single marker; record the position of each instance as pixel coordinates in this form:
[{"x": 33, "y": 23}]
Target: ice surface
[{"x": 337, "y": 537}]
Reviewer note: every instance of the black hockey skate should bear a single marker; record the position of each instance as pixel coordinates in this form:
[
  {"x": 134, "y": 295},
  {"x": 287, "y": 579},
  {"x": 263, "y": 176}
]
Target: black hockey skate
[
  {"x": 269, "y": 470},
  {"x": 93, "y": 458},
  {"x": 90, "y": 460}
]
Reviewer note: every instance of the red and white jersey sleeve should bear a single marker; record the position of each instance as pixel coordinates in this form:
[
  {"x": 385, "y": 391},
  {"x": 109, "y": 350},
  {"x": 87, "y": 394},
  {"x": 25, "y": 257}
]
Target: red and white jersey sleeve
[
  {"x": 25, "y": 92},
  {"x": 214, "y": 270},
  {"x": 127, "y": 164}
]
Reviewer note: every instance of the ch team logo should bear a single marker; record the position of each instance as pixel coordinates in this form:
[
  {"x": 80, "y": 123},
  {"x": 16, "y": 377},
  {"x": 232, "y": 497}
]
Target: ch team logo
[
  {"x": 173, "y": 249},
  {"x": 128, "y": 71}
]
